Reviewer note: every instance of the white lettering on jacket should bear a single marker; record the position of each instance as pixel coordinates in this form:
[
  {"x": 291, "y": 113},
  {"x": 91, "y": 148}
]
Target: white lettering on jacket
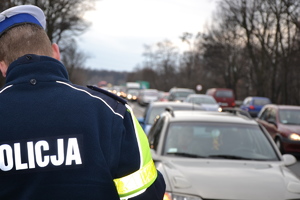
[{"x": 37, "y": 157}]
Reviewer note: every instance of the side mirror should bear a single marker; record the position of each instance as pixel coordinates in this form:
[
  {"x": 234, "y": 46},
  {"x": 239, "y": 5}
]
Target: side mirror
[{"x": 289, "y": 159}]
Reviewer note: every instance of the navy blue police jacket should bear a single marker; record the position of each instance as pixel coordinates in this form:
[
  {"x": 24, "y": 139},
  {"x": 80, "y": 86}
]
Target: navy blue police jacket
[{"x": 63, "y": 141}]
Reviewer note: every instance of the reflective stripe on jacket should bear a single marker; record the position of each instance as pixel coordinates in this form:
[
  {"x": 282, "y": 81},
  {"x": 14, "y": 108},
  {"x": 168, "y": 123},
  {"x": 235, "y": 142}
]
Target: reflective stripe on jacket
[{"x": 135, "y": 183}]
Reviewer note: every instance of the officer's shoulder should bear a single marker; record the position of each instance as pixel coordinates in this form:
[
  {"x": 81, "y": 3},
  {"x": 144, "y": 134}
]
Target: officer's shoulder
[{"x": 107, "y": 93}]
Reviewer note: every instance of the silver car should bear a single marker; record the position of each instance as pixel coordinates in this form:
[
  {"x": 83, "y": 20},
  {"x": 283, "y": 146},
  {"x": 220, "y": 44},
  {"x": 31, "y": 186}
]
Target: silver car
[
  {"x": 212, "y": 155},
  {"x": 206, "y": 101}
]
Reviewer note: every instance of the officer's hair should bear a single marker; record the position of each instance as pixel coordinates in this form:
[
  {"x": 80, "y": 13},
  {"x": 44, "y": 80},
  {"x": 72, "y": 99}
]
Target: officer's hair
[{"x": 24, "y": 39}]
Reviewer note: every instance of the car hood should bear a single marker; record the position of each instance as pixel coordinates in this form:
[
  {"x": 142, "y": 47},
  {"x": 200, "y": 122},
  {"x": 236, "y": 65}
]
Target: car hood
[{"x": 223, "y": 179}]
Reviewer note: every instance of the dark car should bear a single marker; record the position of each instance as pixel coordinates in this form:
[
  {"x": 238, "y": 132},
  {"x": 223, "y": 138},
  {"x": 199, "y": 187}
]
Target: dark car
[
  {"x": 254, "y": 104},
  {"x": 224, "y": 96},
  {"x": 214, "y": 155},
  {"x": 156, "y": 108},
  {"x": 283, "y": 124}
]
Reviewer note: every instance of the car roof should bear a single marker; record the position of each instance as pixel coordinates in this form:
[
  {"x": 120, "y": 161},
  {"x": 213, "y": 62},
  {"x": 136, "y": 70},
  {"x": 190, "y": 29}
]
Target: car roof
[
  {"x": 293, "y": 107},
  {"x": 257, "y": 97},
  {"x": 200, "y": 95},
  {"x": 216, "y": 117},
  {"x": 181, "y": 89},
  {"x": 219, "y": 89},
  {"x": 169, "y": 103}
]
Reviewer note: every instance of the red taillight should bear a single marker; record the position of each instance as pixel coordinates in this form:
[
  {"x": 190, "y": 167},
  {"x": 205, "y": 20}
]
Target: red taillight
[
  {"x": 251, "y": 107},
  {"x": 233, "y": 104}
]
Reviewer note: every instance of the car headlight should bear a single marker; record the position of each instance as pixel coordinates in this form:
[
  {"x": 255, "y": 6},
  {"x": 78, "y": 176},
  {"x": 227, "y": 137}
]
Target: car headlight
[
  {"x": 172, "y": 196},
  {"x": 294, "y": 137},
  {"x": 129, "y": 96}
]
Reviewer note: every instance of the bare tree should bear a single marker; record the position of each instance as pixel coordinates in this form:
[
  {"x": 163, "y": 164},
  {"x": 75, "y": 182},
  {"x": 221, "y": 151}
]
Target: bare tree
[
  {"x": 269, "y": 32},
  {"x": 74, "y": 59},
  {"x": 160, "y": 64}
]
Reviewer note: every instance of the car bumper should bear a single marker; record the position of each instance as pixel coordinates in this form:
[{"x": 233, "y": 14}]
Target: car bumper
[{"x": 291, "y": 146}]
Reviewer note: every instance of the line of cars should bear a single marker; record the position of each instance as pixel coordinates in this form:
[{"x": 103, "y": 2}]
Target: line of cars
[
  {"x": 229, "y": 154},
  {"x": 282, "y": 122}
]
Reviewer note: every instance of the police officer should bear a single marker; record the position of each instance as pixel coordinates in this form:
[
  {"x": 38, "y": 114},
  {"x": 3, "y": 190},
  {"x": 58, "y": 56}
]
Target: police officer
[{"x": 59, "y": 140}]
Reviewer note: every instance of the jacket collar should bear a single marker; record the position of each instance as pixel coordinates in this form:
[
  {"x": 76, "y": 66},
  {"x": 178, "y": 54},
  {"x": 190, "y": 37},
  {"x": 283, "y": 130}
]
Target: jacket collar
[{"x": 41, "y": 68}]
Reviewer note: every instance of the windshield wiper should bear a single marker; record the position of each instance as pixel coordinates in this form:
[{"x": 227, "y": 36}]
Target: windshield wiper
[
  {"x": 185, "y": 154},
  {"x": 230, "y": 157}
]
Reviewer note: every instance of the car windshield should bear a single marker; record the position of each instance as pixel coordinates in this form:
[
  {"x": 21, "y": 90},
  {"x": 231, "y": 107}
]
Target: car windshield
[
  {"x": 218, "y": 141},
  {"x": 224, "y": 93},
  {"x": 200, "y": 100},
  {"x": 183, "y": 93},
  {"x": 291, "y": 117}
]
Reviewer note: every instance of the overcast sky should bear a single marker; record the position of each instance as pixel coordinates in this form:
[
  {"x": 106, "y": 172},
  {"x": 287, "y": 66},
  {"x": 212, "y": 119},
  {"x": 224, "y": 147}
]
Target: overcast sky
[{"x": 121, "y": 28}]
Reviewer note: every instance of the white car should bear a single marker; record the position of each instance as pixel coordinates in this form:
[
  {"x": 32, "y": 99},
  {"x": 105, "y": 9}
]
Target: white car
[
  {"x": 206, "y": 101},
  {"x": 214, "y": 155},
  {"x": 147, "y": 96}
]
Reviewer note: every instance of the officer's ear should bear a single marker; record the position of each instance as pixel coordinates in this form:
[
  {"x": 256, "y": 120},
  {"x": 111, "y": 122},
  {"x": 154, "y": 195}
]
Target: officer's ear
[
  {"x": 3, "y": 68},
  {"x": 55, "y": 51}
]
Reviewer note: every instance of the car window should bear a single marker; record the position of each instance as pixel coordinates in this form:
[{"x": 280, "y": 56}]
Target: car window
[
  {"x": 211, "y": 139},
  {"x": 272, "y": 115},
  {"x": 224, "y": 93},
  {"x": 247, "y": 101},
  {"x": 291, "y": 117},
  {"x": 182, "y": 93},
  {"x": 201, "y": 100},
  {"x": 264, "y": 114},
  {"x": 261, "y": 102}
]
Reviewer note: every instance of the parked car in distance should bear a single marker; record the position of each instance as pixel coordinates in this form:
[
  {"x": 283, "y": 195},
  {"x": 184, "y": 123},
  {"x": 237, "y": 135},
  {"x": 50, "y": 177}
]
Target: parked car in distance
[
  {"x": 179, "y": 94},
  {"x": 283, "y": 124},
  {"x": 254, "y": 104},
  {"x": 147, "y": 96},
  {"x": 206, "y": 101},
  {"x": 216, "y": 155},
  {"x": 156, "y": 108},
  {"x": 224, "y": 96}
]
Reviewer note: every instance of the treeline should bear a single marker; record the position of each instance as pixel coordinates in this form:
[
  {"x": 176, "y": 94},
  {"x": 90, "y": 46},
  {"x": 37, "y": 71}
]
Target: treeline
[{"x": 252, "y": 46}]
